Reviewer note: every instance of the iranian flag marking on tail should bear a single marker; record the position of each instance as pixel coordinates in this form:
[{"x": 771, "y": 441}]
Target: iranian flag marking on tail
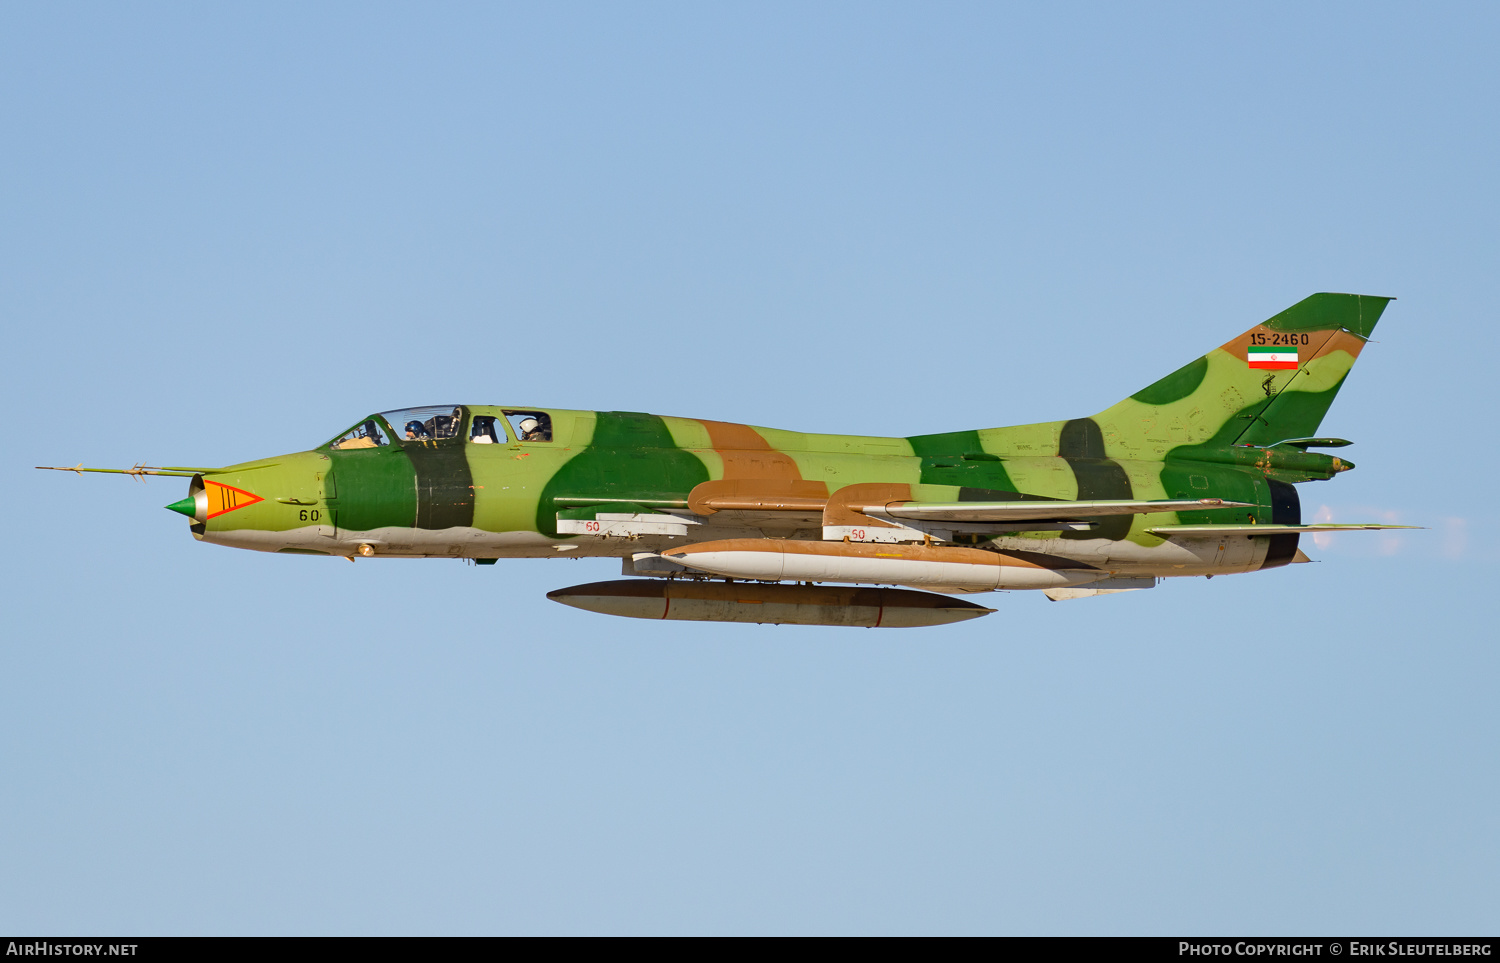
[{"x": 1265, "y": 356}]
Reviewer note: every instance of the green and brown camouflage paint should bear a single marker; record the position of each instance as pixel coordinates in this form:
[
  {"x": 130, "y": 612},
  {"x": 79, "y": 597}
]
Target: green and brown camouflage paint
[{"x": 1205, "y": 430}]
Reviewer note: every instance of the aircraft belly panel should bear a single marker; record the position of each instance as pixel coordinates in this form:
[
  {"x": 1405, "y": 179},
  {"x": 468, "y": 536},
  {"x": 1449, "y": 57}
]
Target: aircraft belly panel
[
  {"x": 312, "y": 539},
  {"x": 464, "y": 542}
]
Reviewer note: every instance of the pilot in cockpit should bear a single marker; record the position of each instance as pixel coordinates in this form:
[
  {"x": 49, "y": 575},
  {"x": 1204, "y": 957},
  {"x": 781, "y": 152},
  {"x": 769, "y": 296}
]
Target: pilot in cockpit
[
  {"x": 531, "y": 430},
  {"x": 415, "y": 429}
]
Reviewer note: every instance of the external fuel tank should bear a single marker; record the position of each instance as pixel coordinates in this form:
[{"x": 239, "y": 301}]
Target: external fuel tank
[{"x": 701, "y": 601}]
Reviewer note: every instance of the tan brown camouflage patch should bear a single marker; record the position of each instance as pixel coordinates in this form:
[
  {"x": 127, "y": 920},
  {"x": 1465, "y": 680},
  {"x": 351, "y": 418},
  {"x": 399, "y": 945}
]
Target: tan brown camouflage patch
[{"x": 840, "y": 509}]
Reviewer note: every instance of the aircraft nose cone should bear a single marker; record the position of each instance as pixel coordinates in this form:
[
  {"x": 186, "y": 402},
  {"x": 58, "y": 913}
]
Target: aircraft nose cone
[{"x": 184, "y": 507}]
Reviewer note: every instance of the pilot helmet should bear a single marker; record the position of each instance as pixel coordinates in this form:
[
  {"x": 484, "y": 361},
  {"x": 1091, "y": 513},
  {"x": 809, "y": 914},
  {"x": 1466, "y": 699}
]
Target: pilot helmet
[
  {"x": 528, "y": 425},
  {"x": 415, "y": 429}
]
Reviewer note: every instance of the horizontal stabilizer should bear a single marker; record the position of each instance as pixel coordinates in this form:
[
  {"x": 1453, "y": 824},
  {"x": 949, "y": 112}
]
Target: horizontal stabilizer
[
  {"x": 1039, "y": 510},
  {"x": 1302, "y": 444},
  {"x": 1182, "y": 531}
]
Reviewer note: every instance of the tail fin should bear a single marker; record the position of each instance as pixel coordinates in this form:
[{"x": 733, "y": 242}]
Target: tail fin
[{"x": 1274, "y": 382}]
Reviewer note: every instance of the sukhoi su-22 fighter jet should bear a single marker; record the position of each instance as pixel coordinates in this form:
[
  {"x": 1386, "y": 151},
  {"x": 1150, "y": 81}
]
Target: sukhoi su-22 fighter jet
[{"x": 1194, "y": 474}]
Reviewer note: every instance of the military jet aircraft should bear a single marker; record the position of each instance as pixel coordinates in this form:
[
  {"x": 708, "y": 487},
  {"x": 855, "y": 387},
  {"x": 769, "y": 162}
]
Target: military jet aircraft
[{"x": 1192, "y": 475}]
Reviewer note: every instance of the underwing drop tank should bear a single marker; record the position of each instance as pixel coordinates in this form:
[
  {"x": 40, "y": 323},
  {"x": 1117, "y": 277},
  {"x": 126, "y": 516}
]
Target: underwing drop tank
[
  {"x": 948, "y": 569},
  {"x": 693, "y": 601}
]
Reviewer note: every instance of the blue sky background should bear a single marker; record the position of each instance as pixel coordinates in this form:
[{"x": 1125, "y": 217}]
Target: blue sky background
[{"x": 228, "y": 233}]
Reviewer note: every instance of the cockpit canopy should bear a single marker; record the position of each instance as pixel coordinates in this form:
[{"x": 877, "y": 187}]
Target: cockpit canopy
[
  {"x": 370, "y": 433},
  {"x": 430, "y": 423},
  {"x": 439, "y": 422}
]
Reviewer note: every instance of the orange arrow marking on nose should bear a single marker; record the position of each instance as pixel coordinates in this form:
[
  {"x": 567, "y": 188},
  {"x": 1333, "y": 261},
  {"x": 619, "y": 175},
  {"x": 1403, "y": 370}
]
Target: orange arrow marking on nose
[{"x": 226, "y": 498}]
